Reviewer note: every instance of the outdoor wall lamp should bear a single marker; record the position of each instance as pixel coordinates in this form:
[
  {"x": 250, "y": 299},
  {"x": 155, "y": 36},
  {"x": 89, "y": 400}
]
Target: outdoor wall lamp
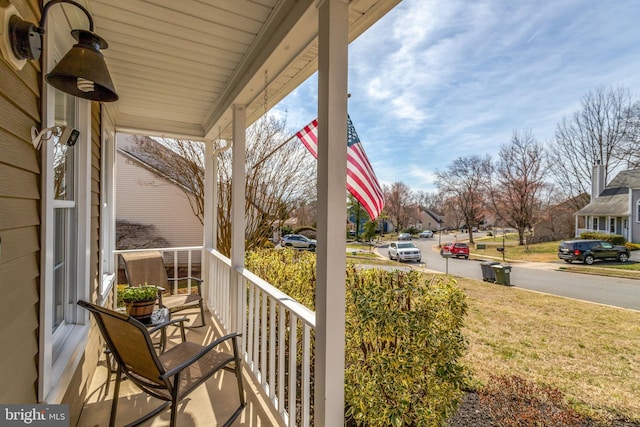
[
  {"x": 67, "y": 135},
  {"x": 82, "y": 72}
]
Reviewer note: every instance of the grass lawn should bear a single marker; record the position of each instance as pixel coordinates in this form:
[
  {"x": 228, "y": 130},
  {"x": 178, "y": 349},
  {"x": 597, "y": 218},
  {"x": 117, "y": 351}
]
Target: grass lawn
[{"x": 588, "y": 351}]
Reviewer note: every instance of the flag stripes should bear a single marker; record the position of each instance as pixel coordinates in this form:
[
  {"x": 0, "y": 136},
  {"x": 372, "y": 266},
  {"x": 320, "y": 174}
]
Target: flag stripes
[{"x": 361, "y": 180}]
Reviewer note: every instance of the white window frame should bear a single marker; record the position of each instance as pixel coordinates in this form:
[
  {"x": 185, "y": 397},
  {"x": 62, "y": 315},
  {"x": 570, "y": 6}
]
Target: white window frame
[
  {"x": 107, "y": 210},
  {"x": 55, "y": 374}
]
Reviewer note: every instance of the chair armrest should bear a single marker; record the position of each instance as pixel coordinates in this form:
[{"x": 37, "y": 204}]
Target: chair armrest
[
  {"x": 162, "y": 325},
  {"x": 202, "y": 352},
  {"x": 159, "y": 326}
]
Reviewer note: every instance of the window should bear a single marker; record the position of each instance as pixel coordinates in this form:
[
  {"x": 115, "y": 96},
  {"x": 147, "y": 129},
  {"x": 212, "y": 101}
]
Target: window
[
  {"x": 612, "y": 225},
  {"x": 107, "y": 211},
  {"x": 638, "y": 211},
  {"x": 65, "y": 224},
  {"x": 594, "y": 224}
]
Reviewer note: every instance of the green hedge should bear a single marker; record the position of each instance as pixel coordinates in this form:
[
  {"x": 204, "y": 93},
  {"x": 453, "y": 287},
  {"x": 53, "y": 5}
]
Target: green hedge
[
  {"x": 615, "y": 239},
  {"x": 403, "y": 338}
]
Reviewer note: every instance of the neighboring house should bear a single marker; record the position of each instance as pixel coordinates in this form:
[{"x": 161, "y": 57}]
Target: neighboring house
[
  {"x": 614, "y": 208},
  {"x": 147, "y": 196},
  {"x": 431, "y": 220}
]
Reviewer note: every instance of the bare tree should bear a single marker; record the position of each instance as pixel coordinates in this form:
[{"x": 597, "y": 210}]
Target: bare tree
[
  {"x": 398, "y": 198},
  {"x": 280, "y": 178},
  {"x": 430, "y": 201},
  {"x": 606, "y": 129},
  {"x": 519, "y": 182},
  {"x": 466, "y": 180}
]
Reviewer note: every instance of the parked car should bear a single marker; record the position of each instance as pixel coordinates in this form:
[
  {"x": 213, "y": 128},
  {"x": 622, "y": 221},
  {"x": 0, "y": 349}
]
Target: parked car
[
  {"x": 588, "y": 251},
  {"x": 404, "y": 251},
  {"x": 404, "y": 236},
  {"x": 426, "y": 233},
  {"x": 298, "y": 241},
  {"x": 457, "y": 249}
]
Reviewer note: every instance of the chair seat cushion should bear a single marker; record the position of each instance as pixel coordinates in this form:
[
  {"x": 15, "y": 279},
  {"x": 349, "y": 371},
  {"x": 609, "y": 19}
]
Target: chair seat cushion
[
  {"x": 198, "y": 371},
  {"x": 180, "y": 300}
]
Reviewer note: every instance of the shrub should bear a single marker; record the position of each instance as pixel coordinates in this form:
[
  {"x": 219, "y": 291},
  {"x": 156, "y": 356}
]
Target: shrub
[
  {"x": 412, "y": 230},
  {"x": 403, "y": 346},
  {"x": 268, "y": 244},
  {"x": 403, "y": 339},
  {"x": 514, "y": 402},
  {"x": 614, "y": 239}
]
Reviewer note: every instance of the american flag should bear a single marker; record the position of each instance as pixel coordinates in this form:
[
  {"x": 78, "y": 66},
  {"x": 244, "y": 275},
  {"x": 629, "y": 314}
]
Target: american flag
[{"x": 361, "y": 180}]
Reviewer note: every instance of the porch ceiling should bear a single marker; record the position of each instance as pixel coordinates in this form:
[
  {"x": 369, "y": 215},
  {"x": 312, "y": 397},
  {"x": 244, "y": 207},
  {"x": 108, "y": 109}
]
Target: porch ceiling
[{"x": 178, "y": 66}]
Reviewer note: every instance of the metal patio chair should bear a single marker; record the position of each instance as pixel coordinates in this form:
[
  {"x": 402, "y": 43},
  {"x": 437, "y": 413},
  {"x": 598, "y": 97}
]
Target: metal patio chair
[
  {"x": 170, "y": 376},
  {"x": 147, "y": 268}
]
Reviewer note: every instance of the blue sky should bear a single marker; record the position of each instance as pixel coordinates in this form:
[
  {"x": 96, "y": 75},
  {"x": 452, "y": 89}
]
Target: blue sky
[{"x": 435, "y": 80}]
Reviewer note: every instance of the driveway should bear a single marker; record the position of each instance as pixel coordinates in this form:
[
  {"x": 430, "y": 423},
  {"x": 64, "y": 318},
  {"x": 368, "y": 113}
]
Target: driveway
[{"x": 540, "y": 277}]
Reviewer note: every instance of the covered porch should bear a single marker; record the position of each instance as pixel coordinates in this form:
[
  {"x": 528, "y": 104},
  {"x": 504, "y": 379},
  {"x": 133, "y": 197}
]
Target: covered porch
[
  {"x": 210, "y": 404},
  {"x": 292, "y": 39},
  {"x": 276, "y": 348}
]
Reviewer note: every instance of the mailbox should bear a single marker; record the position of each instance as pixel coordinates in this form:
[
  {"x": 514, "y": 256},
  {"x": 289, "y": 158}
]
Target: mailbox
[{"x": 500, "y": 249}]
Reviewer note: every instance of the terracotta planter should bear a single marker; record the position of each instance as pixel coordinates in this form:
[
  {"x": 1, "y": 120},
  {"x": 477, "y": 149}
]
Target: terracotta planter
[{"x": 141, "y": 310}]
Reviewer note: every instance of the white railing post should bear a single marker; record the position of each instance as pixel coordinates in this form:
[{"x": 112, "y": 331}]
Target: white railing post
[
  {"x": 238, "y": 220},
  {"x": 332, "y": 161}
]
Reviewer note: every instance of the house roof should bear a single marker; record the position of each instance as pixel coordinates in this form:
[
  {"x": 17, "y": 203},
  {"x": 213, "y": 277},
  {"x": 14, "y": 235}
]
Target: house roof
[
  {"x": 616, "y": 204},
  {"x": 180, "y": 66},
  {"x": 614, "y": 199},
  {"x": 627, "y": 179}
]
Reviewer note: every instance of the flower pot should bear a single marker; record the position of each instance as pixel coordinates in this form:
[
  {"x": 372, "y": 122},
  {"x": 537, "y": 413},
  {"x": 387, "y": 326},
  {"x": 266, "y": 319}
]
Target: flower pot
[{"x": 141, "y": 310}]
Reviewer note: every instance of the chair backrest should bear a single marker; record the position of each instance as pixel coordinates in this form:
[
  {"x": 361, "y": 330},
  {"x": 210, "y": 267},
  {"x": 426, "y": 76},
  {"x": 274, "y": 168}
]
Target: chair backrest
[
  {"x": 129, "y": 342},
  {"x": 145, "y": 268}
]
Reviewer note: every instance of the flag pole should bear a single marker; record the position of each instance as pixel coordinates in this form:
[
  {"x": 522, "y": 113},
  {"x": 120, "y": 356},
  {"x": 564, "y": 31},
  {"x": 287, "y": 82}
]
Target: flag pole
[{"x": 274, "y": 151}]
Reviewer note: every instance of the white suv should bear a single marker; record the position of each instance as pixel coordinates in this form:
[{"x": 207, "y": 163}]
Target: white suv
[
  {"x": 298, "y": 241},
  {"x": 404, "y": 251}
]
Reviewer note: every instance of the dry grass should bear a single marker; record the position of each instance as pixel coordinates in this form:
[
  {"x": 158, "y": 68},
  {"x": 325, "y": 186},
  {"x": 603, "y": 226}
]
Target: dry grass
[
  {"x": 540, "y": 252},
  {"x": 590, "y": 352}
]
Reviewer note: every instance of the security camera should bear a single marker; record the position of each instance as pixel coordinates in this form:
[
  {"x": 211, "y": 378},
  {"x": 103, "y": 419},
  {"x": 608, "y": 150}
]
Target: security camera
[{"x": 67, "y": 135}]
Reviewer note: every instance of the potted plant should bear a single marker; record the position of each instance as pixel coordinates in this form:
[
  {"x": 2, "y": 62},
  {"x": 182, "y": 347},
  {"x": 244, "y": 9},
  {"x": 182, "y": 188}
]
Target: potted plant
[{"x": 139, "y": 301}]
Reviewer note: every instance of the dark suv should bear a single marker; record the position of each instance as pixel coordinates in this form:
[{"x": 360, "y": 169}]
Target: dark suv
[{"x": 590, "y": 250}]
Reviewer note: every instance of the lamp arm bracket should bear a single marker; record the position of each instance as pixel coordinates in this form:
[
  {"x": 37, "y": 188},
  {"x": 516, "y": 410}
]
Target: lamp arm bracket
[{"x": 46, "y": 7}]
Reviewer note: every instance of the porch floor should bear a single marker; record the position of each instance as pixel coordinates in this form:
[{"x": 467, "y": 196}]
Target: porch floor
[{"x": 210, "y": 404}]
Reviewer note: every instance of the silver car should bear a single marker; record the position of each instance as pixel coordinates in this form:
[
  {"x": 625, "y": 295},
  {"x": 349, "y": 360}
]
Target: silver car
[
  {"x": 404, "y": 236},
  {"x": 298, "y": 241},
  {"x": 404, "y": 251}
]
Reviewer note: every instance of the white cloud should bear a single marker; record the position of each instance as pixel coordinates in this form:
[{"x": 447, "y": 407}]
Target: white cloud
[{"x": 438, "y": 79}]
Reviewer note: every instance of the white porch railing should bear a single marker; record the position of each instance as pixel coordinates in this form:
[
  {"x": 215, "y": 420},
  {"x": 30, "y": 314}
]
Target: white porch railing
[
  {"x": 280, "y": 360},
  {"x": 277, "y": 336}
]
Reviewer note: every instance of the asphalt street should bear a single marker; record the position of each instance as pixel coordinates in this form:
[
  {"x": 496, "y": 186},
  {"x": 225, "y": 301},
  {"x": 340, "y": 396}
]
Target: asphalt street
[{"x": 540, "y": 277}]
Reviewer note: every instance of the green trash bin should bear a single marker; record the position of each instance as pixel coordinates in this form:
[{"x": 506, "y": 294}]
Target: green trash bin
[
  {"x": 503, "y": 274},
  {"x": 507, "y": 274}
]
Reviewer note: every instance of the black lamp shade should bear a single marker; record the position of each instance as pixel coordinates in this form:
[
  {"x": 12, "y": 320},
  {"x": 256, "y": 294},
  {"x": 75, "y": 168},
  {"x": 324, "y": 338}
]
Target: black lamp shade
[{"x": 82, "y": 72}]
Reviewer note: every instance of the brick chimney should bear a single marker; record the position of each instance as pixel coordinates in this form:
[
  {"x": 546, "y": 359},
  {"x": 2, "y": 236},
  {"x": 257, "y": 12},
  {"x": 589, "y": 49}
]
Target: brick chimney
[{"x": 597, "y": 180}]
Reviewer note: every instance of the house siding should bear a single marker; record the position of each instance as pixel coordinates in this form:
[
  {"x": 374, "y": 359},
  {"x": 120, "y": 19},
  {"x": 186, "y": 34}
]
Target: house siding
[
  {"x": 144, "y": 198},
  {"x": 19, "y": 226},
  {"x": 634, "y": 224}
]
